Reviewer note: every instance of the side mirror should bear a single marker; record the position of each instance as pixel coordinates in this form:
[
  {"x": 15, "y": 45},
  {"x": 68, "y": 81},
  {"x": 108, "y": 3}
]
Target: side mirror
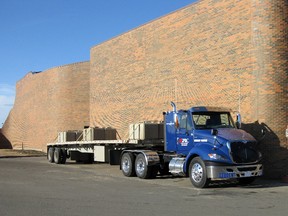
[{"x": 238, "y": 121}]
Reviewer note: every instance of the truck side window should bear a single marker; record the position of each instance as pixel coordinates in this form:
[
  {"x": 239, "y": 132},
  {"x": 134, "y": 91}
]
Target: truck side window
[{"x": 185, "y": 122}]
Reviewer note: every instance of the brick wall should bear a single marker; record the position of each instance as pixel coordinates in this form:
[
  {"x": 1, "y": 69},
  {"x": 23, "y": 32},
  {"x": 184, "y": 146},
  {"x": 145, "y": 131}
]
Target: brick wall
[
  {"x": 198, "y": 55},
  {"x": 231, "y": 53},
  {"x": 195, "y": 56},
  {"x": 53, "y": 100},
  {"x": 216, "y": 53},
  {"x": 269, "y": 26}
]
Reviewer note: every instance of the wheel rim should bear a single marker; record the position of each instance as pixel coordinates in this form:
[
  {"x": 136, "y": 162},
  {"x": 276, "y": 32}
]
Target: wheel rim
[
  {"x": 197, "y": 172},
  {"x": 125, "y": 165},
  {"x": 140, "y": 166}
]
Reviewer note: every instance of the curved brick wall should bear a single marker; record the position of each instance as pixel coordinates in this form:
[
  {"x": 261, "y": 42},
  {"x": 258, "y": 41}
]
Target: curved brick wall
[{"x": 53, "y": 100}]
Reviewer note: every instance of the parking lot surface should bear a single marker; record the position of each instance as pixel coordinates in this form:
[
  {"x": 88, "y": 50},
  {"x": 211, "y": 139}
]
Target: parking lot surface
[{"x": 32, "y": 186}]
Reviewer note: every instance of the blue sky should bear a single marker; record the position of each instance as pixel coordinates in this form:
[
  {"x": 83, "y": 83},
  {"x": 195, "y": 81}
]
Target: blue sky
[{"x": 36, "y": 35}]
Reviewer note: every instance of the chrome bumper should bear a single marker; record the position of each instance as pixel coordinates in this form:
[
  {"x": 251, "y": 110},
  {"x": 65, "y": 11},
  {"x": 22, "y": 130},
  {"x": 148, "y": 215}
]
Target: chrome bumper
[{"x": 230, "y": 172}]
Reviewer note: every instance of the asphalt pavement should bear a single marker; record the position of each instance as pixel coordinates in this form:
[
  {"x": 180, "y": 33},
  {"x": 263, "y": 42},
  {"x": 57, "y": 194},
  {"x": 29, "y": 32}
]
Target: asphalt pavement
[{"x": 32, "y": 186}]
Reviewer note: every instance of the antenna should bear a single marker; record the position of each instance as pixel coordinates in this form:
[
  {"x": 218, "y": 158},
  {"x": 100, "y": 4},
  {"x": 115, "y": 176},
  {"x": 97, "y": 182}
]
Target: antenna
[
  {"x": 175, "y": 91},
  {"x": 239, "y": 98}
]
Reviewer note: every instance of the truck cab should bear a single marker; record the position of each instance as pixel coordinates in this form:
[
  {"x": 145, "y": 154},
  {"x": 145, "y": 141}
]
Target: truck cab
[
  {"x": 209, "y": 146},
  {"x": 203, "y": 143}
]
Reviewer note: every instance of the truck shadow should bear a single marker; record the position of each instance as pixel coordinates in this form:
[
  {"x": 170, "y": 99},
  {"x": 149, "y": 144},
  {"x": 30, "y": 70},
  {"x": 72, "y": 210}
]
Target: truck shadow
[
  {"x": 275, "y": 154},
  {"x": 259, "y": 183}
]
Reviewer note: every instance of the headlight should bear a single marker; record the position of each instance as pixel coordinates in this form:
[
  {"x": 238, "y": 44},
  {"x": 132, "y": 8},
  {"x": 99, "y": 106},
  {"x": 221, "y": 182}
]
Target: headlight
[{"x": 216, "y": 156}]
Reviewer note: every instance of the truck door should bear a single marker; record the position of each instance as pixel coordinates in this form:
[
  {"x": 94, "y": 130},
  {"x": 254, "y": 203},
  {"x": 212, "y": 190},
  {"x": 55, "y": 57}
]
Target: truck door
[{"x": 184, "y": 141}]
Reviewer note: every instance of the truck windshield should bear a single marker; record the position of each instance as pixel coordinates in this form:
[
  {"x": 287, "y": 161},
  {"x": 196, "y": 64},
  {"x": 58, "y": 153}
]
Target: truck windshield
[{"x": 210, "y": 120}]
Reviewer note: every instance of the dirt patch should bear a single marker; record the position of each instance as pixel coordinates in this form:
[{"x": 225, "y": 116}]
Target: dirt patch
[{"x": 6, "y": 153}]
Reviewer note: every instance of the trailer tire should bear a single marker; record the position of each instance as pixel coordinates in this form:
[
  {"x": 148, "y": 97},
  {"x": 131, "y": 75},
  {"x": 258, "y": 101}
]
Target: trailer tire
[
  {"x": 143, "y": 170},
  {"x": 198, "y": 173},
  {"x": 128, "y": 164},
  {"x": 51, "y": 155},
  {"x": 63, "y": 156},
  {"x": 57, "y": 155}
]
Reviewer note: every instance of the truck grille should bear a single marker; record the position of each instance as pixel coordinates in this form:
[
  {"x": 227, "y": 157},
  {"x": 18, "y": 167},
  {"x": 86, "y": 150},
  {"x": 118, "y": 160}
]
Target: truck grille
[{"x": 244, "y": 152}]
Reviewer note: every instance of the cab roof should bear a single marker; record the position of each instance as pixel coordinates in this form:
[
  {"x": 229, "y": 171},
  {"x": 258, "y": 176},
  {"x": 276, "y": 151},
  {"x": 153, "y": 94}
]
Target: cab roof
[{"x": 209, "y": 109}]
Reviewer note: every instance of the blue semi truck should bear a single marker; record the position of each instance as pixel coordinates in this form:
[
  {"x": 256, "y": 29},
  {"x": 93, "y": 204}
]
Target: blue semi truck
[{"x": 203, "y": 143}]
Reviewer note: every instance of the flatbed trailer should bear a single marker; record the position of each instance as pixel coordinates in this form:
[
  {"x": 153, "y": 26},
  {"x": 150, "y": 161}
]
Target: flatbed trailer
[{"x": 107, "y": 151}]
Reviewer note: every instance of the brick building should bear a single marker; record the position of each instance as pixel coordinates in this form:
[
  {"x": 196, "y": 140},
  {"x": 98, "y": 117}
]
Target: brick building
[
  {"x": 46, "y": 103},
  {"x": 214, "y": 52}
]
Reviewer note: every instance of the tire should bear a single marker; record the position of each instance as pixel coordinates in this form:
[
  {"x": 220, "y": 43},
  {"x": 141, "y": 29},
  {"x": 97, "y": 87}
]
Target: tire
[
  {"x": 57, "y": 155},
  {"x": 63, "y": 156},
  {"x": 198, "y": 173},
  {"x": 246, "y": 181},
  {"x": 51, "y": 155},
  {"x": 143, "y": 170},
  {"x": 128, "y": 164}
]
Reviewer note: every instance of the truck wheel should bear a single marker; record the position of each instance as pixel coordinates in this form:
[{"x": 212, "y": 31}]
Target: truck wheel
[
  {"x": 197, "y": 173},
  {"x": 57, "y": 155},
  {"x": 63, "y": 156},
  {"x": 142, "y": 170},
  {"x": 246, "y": 181},
  {"x": 128, "y": 164},
  {"x": 51, "y": 155}
]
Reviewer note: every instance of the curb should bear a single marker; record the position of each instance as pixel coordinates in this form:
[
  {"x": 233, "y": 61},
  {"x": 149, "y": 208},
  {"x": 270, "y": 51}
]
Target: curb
[{"x": 19, "y": 156}]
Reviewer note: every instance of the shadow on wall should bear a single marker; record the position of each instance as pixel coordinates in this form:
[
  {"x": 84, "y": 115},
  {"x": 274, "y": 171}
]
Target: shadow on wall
[
  {"x": 275, "y": 157},
  {"x": 4, "y": 142}
]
